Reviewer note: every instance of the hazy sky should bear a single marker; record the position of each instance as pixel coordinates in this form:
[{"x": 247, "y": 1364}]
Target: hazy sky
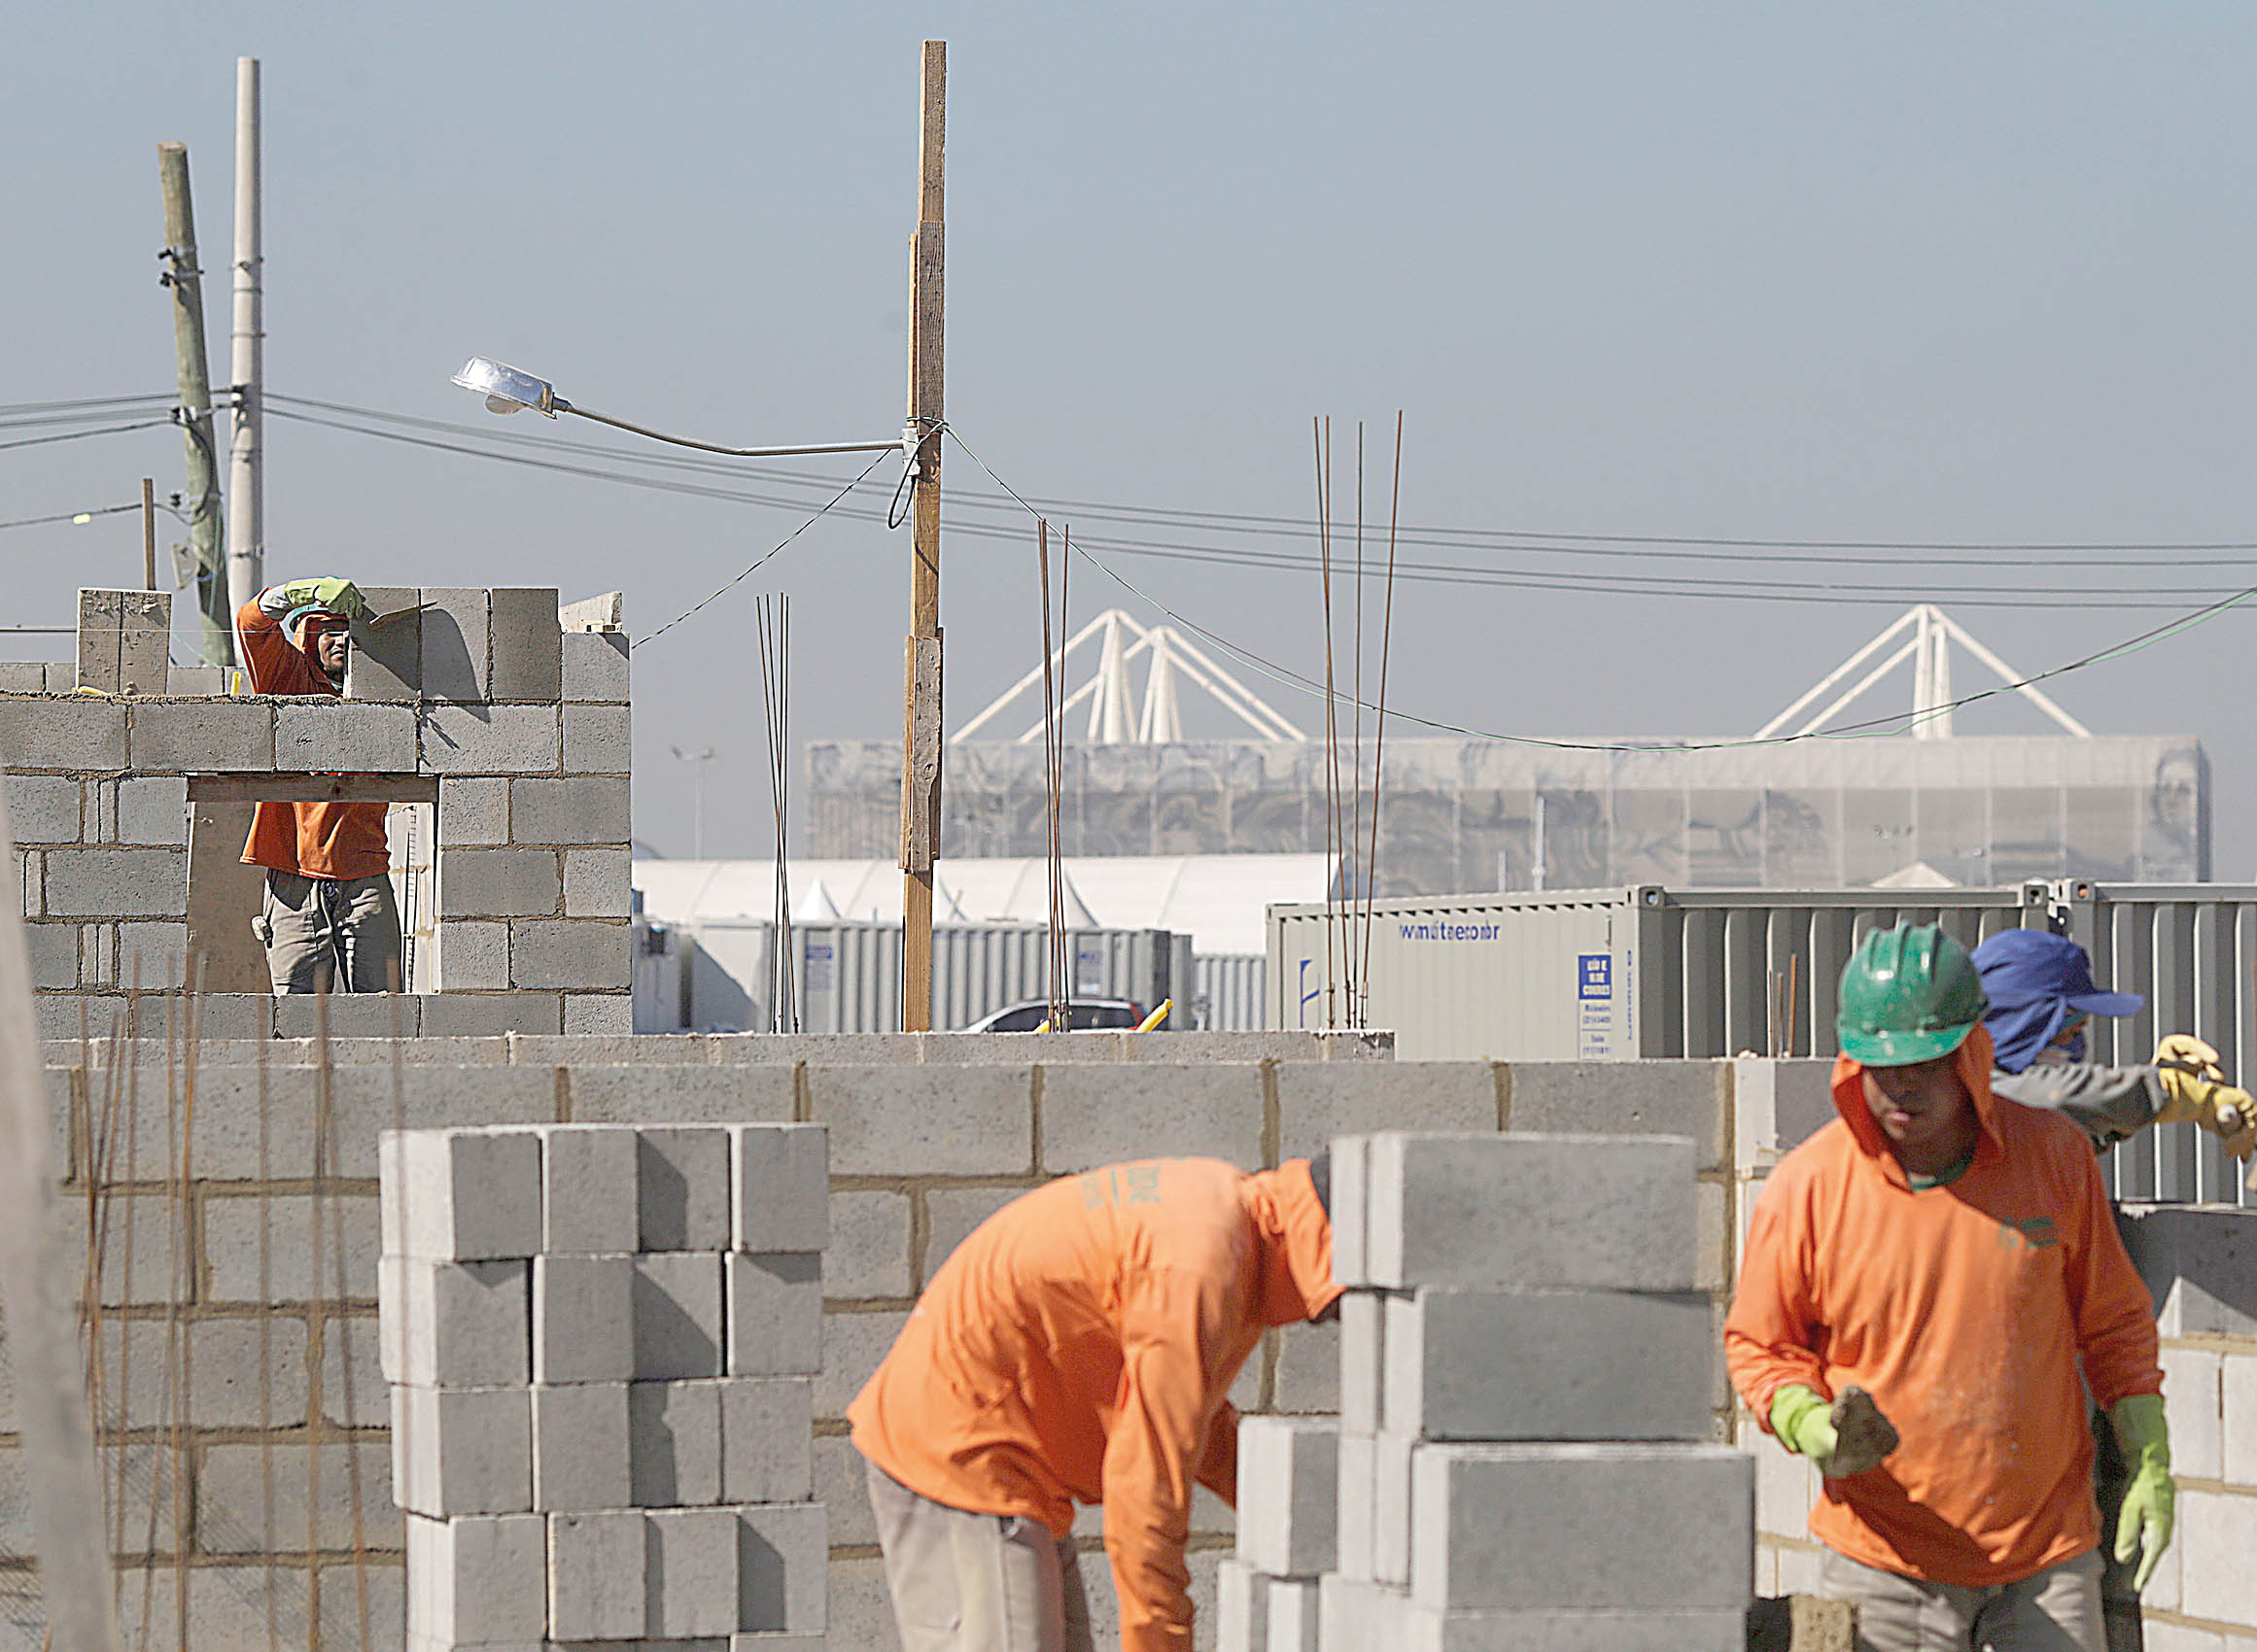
[{"x": 1812, "y": 271}]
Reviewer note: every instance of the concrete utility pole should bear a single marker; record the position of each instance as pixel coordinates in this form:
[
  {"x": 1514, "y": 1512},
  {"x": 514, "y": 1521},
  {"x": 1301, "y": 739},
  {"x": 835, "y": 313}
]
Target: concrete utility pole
[
  {"x": 149, "y": 533},
  {"x": 195, "y": 399},
  {"x": 246, "y": 443},
  {"x": 920, "y": 734}
]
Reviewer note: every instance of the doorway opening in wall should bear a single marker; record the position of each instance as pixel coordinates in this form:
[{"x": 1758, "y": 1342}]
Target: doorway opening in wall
[{"x": 225, "y": 953}]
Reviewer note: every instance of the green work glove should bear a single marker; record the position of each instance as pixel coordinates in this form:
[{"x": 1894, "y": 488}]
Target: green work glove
[
  {"x": 1842, "y": 1436},
  {"x": 339, "y": 596},
  {"x": 2143, "y": 1528}
]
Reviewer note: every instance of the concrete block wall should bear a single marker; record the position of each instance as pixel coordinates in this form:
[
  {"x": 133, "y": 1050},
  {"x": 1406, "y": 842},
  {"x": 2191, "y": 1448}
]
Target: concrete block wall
[
  {"x": 601, "y": 1397},
  {"x": 1522, "y": 1457},
  {"x": 524, "y": 726}
]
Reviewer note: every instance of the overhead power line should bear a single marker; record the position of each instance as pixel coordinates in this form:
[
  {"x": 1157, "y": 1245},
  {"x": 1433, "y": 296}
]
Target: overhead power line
[
  {"x": 81, "y": 435},
  {"x": 71, "y": 515},
  {"x": 12, "y": 408}
]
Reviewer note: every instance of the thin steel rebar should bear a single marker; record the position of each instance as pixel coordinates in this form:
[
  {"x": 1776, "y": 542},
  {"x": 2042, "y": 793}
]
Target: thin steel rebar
[{"x": 1379, "y": 732}]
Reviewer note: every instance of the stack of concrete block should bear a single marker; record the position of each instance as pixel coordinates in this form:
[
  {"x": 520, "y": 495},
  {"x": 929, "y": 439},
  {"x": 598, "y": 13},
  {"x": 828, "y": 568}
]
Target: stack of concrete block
[
  {"x": 1265, "y": 1596},
  {"x": 603, "y": 1340},
  {"x": 1524, "y": 1377},
  {"x": 124, "y": 642}
]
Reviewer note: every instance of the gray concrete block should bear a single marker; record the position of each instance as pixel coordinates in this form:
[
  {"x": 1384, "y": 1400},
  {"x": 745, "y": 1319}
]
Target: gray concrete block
[
  {"x": 1467, "y": 1364},
  {"x": 100, "y": 622},
  {"x": 1317, "y": 1101},
  {"x": 478, "y": 1580},
  {"x": 353, "y": 1392},
  {"x": 489, "y": 739},
  {"x": 1288, "y": 1494},
  {"x": 568, "y": 952},
  {"x": 1241, "y": 1607},
  {"x": 925, "y": 1121},
  {"x": 153, "y": 953},
  {"x": 1605, "y": 1212},
  {"x": 584, "y": 1319},
  {"x": 54, "y": 950},
  {"x": 1392, "y": 1536},
  {"x": 455, "y": 1325},
  {"x": 1306, "y": 1374},
  {"x": 1346, "y": 1608},
  {"x": 639, "y": 1090},
  {"x": 1349, "y": 1206},
  {"x": 767, "y": 1440},
  {"x": 366, "y": 1014},
  {"x": 1293, "y": 1615},
  {"x": 597, "y": 1572},
  {"x": 490, "y": 1014},
  {"x": 951, "y": 1215},
  {"x": 853, "y": 1346},
  {"x": 691, "y": 1584},
  {"x": 1629, "y": 1528},
  {"x": 145, "y": 635},
  {"x": 1092, "y": 1116},
  {"x": 675, "y": 1433},
  {"x": 43, "y": 808},
  {"x": 22, "y": 676},
  {"x": 868, "y": 1254},
  {"x": 678, "y": 1314},
  {"x": 387, "y": 658},
  {"x": 579, "y": 809},
  {"x": 1573, "y": 1631},
  {"x": 463, "y": 1451},
  {"x": 460, "y": 1195},
  {"x": 80, "y": 736},
  {"x": 582, "y": 1453},
  {"x": 595, "y": 666},
  {"x": 588, "y": 1188},
  {"x": 344, "y": 737},
  {"x": 682, "y": 1176},
  {"x": 775, "y": 1318},
  {"x": 1362, "y": 1360},
  {"x": 1354, "y": 1538},
  {"x": 232, "y": 1510},
  {"x": 152, "y": 810},
  {"x": 1628, "y": 1098},
  {"x": 783, "y": 1550},
  {"x": 498, "y": 883},
  {"x": 842, "y": 1487},
  {"x": 598, "y": 883},
  {"x": 116, "y": 883},
  {"x": 284, "y": 1227},
  {"x": 599, "y": 739},
  {"x": 774, "y": 1644},
  {"x": 453, "y": 663},
  {"x": 208, "y": 733},
  {"x": 781, "y": 1187},
  {"x": 527, "y": 653},
  {"x": 474, "y": 957},
  {"x": 600, "y": 1015},
  {"x": 230, "y": 1377},
  {"x": 1777, "y": 1106},
  {"x": 191, "y": 682},
  {"x": 473, "y": 811},
  {"x": 2199, "y": 1264}
]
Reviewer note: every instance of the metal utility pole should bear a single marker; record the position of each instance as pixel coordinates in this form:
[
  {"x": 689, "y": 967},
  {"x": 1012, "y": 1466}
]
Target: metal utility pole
[
  {"x": 246, "y": 463},
  {"x": 186, "y": 280},
  {"x": 920, "y": 734}
]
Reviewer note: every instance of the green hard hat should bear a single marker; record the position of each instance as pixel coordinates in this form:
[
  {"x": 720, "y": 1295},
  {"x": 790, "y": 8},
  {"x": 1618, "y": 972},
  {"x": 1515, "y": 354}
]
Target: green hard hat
[{"x": 1908, "y": 994}]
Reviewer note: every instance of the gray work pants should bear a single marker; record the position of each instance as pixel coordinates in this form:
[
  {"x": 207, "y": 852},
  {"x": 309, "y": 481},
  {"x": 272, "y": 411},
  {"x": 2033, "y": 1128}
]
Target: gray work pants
[
  {"x": 329, "y": 934},
  {"x": 977, "y": 1582},
  {"x": 2059, "y": 1610}
]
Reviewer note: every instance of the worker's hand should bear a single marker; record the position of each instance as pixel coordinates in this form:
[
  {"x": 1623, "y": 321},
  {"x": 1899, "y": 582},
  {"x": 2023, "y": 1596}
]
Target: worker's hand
[
  {"x": 2184, "y": 1049},
  {"x": 2218, "y": 1108},
  {"x": 2143, "y": 1529},
  {"x": 1847, "y": 1436},
  {"x": 339, "y": 596}
]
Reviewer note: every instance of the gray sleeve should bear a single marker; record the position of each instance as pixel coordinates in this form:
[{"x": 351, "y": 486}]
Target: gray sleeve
[{"x": 2106, "y": 1103}]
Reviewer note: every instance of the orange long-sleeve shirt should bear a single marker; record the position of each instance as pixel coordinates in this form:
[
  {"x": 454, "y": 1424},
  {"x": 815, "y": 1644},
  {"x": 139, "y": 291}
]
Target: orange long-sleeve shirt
[
  {"x": 1964, "y": 1310},
  {"x": 1079, "y": 1345},
  {"x": 314, "y": 840}
]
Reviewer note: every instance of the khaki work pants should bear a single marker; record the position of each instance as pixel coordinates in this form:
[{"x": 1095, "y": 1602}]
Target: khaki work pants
[
  {"x": 328, "y": 934},
  {"x": 977, "y": 1582},
  {"x": 2059, "y": 1610}
]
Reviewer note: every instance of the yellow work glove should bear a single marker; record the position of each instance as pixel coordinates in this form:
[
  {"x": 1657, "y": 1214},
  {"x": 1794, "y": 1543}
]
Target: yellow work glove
[
  {"x": 2143, "y": 1528},
  {"x": 2184, "y": 1049},
  {"x": 2220, "y": 1109},
  {"x": 339, "y": 596},
  {"x": 1843, "y": 1436}
]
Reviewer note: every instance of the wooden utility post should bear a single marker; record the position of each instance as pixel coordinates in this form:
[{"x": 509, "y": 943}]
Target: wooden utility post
[
  {"x": 921, "y": 725},
  {"x": 195, "y": 400},
  {"x": 147, "y": 532}
]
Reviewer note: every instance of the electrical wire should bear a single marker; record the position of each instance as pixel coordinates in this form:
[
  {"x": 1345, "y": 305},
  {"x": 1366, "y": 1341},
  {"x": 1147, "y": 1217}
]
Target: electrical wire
[
  {"x": 81, "y": 435},
  {"x": 1867, "y": 729},
  {"x": 70, "y": 515},
  {"x": 11, "y": 409}
]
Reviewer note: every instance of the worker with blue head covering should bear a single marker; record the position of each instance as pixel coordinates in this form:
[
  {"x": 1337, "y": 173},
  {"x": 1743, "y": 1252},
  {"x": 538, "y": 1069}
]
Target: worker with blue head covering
[{"x": 2042, "y": 992}]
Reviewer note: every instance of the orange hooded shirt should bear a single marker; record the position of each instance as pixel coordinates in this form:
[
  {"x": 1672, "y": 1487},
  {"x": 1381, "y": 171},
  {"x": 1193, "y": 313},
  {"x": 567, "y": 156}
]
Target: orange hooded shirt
[
  {"x": 314, "y": 840},
  {"x": 1079, "y": 1348},
  {"x": 1964, "y": 1310}
]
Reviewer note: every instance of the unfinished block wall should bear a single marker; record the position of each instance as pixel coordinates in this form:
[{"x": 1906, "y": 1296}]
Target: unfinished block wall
[
  {"x": 476, "y": 700},
  {"x": 602, "y": 1340}
]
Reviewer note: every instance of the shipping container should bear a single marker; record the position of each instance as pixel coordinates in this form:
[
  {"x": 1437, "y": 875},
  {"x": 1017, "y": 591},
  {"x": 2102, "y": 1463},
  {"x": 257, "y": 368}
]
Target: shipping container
[{"x": 1229, "y": 994}]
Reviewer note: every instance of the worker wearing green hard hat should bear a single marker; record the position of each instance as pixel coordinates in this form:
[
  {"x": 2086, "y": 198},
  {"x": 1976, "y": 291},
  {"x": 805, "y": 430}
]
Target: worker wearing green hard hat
[{"x": 1924, "y": 1280}]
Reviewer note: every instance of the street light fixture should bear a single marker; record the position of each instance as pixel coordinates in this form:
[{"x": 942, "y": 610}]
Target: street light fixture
[
  {"x": 511, "y": 390},
  {"x": 700, "y": 759}
]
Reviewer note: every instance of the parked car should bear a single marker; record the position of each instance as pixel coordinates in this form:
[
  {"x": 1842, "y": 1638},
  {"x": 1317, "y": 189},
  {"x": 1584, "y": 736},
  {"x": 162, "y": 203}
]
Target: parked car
[{"x": 1086, "y": 1013}]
